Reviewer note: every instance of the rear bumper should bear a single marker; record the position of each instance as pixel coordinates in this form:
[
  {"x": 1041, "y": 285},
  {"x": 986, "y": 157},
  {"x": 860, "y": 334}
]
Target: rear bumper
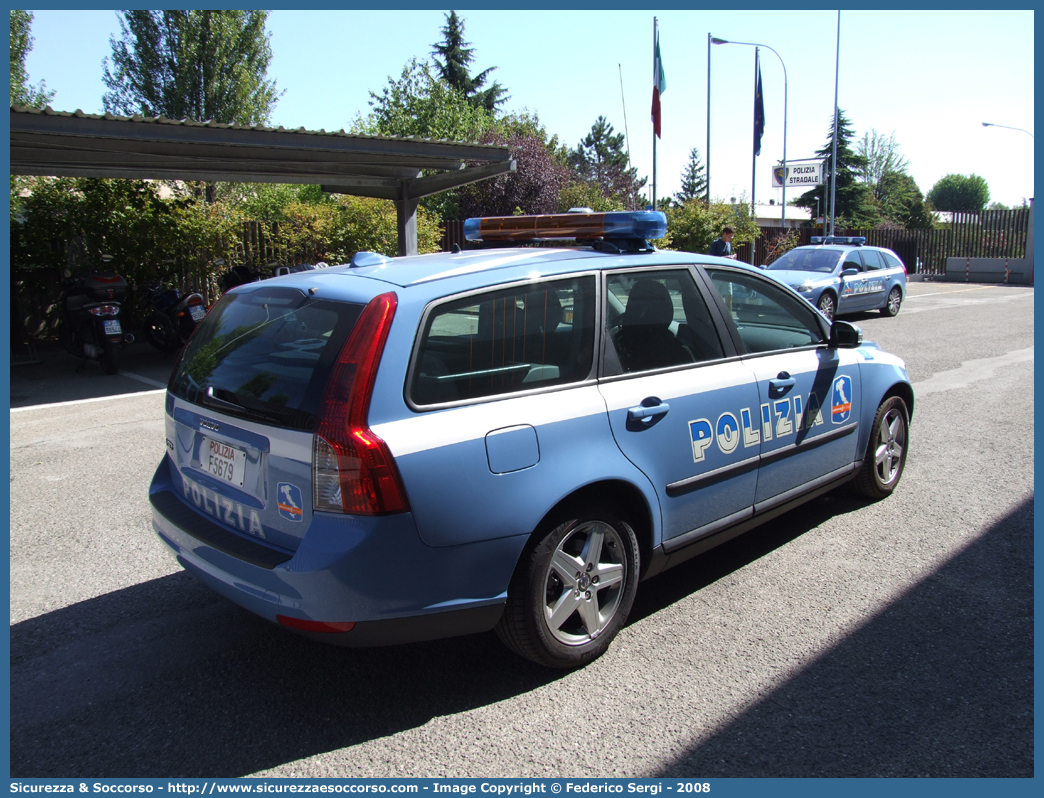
[{"x": 373, "y": 572}]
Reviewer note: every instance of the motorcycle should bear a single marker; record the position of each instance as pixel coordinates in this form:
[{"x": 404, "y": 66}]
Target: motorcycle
[
  {"x": 90, "y": 322},
  {"x": 236, "y": 276},
  {"x": 171, "y": 317}
]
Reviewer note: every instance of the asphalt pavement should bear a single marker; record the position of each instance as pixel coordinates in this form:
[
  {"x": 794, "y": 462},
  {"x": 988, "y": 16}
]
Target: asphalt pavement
[{"x": 846, "y": 638}]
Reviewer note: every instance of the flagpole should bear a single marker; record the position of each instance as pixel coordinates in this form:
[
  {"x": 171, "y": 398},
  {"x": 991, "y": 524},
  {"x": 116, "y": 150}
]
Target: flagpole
[
  {"x": 833, "y": 158},
  {"x": 754, "y": 148},
  {"x": 655, "y": 77},
  {"x": 707, "y": 153}
]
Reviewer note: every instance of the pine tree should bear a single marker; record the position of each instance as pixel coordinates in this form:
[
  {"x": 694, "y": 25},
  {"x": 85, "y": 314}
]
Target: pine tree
[
  {"x": 456, "y": 58},
  {"x": 693, "y": 179},
  {"x": 21, "y": 43},
  {"x": 854, "y": 199},
  {"x": 601, "y": 160},
  {"x": 200, "y": 65}
]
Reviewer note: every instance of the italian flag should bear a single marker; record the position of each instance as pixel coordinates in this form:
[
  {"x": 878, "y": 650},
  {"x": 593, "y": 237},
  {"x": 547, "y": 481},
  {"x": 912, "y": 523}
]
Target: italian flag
[{"x": 659, "y": 85}]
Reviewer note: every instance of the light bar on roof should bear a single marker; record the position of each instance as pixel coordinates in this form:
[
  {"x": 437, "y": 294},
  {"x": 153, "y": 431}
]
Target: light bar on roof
[
  {"x": 857, "y": 241},
  {"x": 583, "y": 226}
]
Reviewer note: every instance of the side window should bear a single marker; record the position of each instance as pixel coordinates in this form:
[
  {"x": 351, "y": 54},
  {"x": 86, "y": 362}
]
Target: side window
[
  {"x": 852, "y": 261},
  {"x": 892, "y": 261},
  {"x": 657, "y": 319},
  {"x": 872, "y": 258},
  {"x": 504, "y": 341},
  {"x": 766, "y": 316}
]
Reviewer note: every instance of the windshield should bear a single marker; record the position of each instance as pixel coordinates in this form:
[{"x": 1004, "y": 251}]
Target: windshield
[
  {"x": 807, "y": 260},
  {"x": 264, "y": 355}
]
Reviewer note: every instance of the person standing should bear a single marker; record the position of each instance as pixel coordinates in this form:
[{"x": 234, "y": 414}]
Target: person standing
[{"x": 722, "y": 247}]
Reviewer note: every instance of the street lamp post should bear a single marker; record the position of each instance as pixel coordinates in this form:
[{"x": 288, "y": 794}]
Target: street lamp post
[
  {"x": 1009, "y": 127},
  {"x": 716, "y": 40}
]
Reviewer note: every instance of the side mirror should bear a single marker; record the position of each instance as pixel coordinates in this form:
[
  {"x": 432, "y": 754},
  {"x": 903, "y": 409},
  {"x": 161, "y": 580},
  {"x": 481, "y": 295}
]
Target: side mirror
[
  {"x": 844, "y": 335},
  {"x": 849, "y": 272}
]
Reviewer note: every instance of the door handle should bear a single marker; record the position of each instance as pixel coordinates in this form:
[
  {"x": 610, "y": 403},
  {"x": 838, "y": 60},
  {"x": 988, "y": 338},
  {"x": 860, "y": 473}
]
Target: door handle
[
  {"x": 783, "y": 383},
  {"x": 643, "y": 413}
]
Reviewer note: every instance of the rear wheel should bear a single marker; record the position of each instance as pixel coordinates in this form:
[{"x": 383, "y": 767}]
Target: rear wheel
[
  {"x": 111, "y": 358},
  {"x": 895, "y": 299},
  {"x": 571, "y": 592},
  {"x": 886, "y": 451},
  {"x": 827, "y": 305},
  {"x": 161, "y": 333}
]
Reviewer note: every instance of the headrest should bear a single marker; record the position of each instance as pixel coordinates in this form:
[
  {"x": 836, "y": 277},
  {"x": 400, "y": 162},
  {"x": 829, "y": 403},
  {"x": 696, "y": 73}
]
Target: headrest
[{"x": 649, "y": 305}]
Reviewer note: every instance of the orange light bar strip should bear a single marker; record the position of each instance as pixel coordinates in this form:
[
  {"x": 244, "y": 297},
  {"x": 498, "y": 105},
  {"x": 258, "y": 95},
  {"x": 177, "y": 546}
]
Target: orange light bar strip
[{"x": 527, "y": 228}]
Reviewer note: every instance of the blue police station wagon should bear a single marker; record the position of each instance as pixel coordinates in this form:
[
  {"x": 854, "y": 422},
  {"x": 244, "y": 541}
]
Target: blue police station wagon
[
  {"x": 840, "y": 275},
  {"x": 508, "y": 437}
]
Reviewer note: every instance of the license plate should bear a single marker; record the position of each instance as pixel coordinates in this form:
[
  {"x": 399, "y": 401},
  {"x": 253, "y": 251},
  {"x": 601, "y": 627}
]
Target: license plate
[
  {"x": 112, "y": 327},
  {"x": 223, "y": 461},
  {"x": 197, "y": 312}
]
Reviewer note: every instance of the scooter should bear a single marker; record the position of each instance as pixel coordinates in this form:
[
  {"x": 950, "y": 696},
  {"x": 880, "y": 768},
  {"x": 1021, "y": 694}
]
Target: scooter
[
  {"x": 170, "y": 316},
  {"x": 90, "y": 322}
]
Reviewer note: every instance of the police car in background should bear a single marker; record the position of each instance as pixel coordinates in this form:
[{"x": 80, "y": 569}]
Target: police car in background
[
  {"x": 507, "y": 438},
  {"x": 840, "y": 275}
]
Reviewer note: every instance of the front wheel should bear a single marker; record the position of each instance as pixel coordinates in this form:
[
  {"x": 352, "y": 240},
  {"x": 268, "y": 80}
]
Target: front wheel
[
  {"x": 827, "y": 305},
  {"x": 571, "y": 593},
  {"x": 895, "y": 299},
  {"x": 886, "y": 451}
]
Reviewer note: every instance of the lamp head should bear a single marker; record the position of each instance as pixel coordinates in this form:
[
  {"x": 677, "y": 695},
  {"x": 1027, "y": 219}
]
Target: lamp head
[{"x": 716, "y": 40}]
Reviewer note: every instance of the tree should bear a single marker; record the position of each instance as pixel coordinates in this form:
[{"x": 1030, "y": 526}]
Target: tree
[
  {"x": 533, "y": 188},
  {"x": 854, "y": 205},
  {"x": 600, "y": 159},
  {"x": 882, "y": 156},
  {"x": 693, "y": 179},
  {"x": 959, "y": 193},
  {"x": 421, "y": 104},
  {"x": 901, "y": 202},
  {"x": 21, "y": 43},
  {"x": 200, "y": 65},
  {"x": 454, "y": 67},
  {"x": 693, "y": 225}
]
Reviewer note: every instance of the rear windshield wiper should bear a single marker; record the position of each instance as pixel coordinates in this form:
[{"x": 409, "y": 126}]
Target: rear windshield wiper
[{"x": 210, "y": 400}]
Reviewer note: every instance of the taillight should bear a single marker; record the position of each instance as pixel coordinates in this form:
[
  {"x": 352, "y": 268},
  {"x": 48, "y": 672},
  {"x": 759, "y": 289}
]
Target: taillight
[
  {"x": 352, "y": 469},
  {"x": 105, "y": 310},
  {"x": 195, "y": 299}
]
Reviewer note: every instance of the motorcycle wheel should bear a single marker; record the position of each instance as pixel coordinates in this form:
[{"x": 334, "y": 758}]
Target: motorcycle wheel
[
  {"x": 110, "y": 359},
  {"x": 161, "y": 336}
]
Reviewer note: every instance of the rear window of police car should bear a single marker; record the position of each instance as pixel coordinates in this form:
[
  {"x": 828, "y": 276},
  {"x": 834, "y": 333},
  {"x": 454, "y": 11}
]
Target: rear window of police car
[
  {"x": 505, "y": 341},
  {"x": 265, "y": 355}
]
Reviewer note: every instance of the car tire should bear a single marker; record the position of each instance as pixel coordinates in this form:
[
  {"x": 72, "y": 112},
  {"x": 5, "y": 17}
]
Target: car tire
[
  {"x": 886, "y": 450},
  {"x": 572, "y": 591},
  {"x": 895, "y": 299},
  {"x": 827, "y": 305}
]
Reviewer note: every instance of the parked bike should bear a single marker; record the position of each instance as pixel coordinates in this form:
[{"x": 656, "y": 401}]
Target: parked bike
[
  {"x": 170, "y": 316},
  {"x": 236, "y": 276},
  {"x": 90, "y": 322}
]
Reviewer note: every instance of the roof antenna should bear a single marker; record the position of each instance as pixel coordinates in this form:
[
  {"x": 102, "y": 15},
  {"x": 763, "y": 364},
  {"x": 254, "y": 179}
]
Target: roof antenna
[{"x": 627, "y": 138}]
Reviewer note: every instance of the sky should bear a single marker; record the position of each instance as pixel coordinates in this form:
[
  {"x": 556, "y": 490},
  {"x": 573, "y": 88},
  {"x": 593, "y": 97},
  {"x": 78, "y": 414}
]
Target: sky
[{"x": 931, "y": 78}]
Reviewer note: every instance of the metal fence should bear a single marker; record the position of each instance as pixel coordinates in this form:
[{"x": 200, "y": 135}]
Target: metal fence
[{"x": 989, "y": 234}]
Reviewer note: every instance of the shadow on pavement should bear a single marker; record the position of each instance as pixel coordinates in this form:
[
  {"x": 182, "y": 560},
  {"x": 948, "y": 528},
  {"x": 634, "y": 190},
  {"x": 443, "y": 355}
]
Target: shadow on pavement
[
  {"x": 940, "y": 683},
  {"x": 166, "y": 678},
  {"x": 60, "y": 377}
]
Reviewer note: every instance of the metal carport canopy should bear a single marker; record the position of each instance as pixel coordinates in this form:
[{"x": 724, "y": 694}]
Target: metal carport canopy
[{"x": 64, "y": 144}]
